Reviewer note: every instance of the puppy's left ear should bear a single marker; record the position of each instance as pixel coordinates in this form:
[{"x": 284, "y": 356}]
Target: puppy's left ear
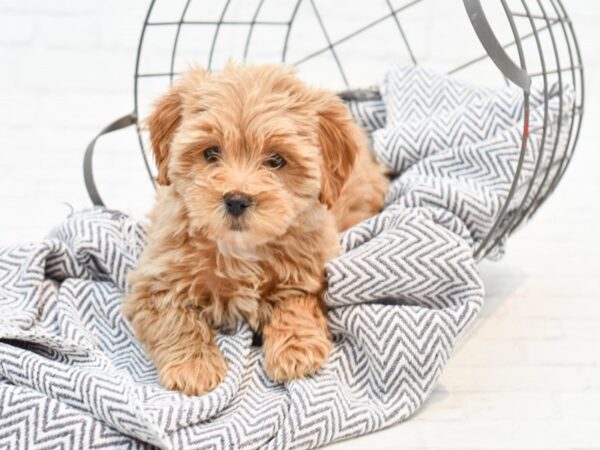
[{"x": 340, "y": 139}]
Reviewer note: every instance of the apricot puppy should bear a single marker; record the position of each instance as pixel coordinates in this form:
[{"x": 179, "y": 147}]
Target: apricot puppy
[{"x": 257, "y": 173}]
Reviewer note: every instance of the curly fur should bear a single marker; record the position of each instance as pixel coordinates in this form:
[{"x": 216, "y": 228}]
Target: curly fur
[{"x": 204, "y": 269}]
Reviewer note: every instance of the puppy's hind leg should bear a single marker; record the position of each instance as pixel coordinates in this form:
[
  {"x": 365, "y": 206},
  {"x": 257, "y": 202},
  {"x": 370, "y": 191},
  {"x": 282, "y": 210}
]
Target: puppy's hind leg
[
  {"x": 296, "y": 341},
  {"x": 180, "y": 343}
]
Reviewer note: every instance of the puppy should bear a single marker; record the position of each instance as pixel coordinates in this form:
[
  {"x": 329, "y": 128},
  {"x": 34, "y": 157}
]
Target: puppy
[{"x": 257, "y": 174}]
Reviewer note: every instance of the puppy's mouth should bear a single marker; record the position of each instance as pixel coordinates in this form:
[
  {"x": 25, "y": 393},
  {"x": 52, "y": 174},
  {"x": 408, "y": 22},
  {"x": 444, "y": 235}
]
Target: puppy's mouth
[{"x": 236, "y": 225}]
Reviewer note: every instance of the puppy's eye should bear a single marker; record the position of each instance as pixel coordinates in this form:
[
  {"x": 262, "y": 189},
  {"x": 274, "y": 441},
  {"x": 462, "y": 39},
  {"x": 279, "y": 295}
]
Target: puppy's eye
[
  {"x": 212, "y": 154},
  {"x": 276, "y": 162}
]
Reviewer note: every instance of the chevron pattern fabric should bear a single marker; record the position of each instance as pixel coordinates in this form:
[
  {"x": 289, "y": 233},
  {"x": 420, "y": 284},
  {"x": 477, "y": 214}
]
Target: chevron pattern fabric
[
  {"x": 401, "y": 295},
  {"x": 457, "y": 146}
]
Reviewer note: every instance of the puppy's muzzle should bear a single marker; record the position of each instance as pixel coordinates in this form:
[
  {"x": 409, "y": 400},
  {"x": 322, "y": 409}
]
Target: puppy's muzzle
[{"x": 237, "y": 204}]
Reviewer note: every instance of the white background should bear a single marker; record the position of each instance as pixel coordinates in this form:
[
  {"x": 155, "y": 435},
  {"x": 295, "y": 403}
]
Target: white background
[{"x": 529, "y": 374}]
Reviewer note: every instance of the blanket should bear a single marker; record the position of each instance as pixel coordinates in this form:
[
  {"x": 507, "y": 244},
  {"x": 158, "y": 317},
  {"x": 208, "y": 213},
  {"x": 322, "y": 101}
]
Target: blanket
[{"x": 401, "y": 294}]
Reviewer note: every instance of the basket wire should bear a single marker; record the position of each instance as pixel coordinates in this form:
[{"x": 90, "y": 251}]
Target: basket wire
[{"x": 540, "y": 37}]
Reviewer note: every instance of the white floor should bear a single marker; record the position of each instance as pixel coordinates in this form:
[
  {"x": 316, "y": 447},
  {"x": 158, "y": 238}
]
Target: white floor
[{"x": 529, "y": 374}]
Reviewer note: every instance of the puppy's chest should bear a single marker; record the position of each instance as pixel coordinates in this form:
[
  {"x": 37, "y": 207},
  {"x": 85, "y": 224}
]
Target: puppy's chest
[{"x": 238, "y": 290}]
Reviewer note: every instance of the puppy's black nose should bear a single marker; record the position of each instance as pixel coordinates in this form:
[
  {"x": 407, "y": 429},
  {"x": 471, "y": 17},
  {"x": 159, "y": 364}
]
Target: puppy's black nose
[{"x": 236, "y": 204}]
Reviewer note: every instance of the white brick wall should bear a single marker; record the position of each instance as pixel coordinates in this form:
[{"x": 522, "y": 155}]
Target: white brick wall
[
  {"x": 529, "y": 374},
  {"x": 66, "y": 71}
]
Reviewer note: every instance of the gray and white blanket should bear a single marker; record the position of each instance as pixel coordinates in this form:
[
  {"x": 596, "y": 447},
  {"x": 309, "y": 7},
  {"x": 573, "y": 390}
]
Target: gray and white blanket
[{"x": 401, "y": 294}]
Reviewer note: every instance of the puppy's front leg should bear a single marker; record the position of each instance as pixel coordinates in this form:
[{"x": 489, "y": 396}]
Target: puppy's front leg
[
  {"x": 296, "y": 341},
  {"x": 179, "y": 341}
]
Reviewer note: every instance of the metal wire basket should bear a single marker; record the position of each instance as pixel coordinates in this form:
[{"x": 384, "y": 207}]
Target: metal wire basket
[{"x": 532, "y": 44}]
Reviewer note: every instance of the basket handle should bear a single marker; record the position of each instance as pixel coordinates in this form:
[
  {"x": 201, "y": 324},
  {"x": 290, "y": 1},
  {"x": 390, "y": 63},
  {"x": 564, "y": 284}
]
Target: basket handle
[
  {"x": 493, "y": 48},
  {"x": 88, "y": 169}
]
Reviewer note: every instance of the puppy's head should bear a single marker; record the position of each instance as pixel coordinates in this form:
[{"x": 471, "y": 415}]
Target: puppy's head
[{"x": 250, "y": 149}]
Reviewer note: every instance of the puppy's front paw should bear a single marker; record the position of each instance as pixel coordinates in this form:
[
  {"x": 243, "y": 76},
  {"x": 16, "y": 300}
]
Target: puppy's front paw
[
  {"x": 297, "y": 354},
  {"x": 195, "y": 376}
]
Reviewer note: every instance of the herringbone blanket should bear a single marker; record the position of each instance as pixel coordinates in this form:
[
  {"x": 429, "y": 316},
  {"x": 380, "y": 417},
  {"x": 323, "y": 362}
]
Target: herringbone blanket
[{"x": 401, "y": 294}]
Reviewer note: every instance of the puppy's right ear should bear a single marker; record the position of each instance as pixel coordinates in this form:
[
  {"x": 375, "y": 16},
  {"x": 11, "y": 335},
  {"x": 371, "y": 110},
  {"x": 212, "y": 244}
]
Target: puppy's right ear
[
  {"x": 166, "y": 117},
  {"x": 163, "y": 123}
]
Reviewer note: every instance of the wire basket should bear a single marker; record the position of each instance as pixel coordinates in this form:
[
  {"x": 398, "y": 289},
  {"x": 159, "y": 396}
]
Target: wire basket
[{"x": 532, "y": 44}]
